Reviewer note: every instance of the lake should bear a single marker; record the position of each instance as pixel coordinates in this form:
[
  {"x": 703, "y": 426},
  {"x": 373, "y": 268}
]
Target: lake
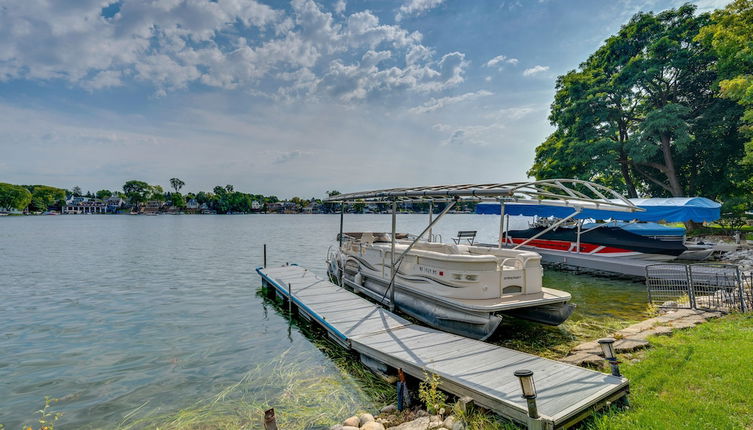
[{"x": 131, "y": 317}]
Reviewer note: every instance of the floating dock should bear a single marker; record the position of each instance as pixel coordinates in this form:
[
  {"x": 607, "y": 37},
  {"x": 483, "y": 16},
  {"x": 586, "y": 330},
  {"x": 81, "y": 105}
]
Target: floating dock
[
  {"x": 467, "y": 367},
  {"x": 625, "y": 267}
]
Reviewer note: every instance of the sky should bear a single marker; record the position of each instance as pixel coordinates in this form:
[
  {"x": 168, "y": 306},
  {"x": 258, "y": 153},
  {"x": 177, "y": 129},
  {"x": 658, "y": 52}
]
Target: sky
[{"x": 287, "y": 98}]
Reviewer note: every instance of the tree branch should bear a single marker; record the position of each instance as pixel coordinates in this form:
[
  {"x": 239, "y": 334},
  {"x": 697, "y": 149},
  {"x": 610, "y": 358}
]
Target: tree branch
[{"x": 651, "y": 178}]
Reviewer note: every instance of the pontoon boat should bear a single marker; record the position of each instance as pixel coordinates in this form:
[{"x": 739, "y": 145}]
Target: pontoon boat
[{"x": 460, "y": 288}]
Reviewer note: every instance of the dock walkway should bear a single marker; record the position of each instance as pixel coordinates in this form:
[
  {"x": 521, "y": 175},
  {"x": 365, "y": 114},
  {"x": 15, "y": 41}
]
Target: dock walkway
[{"x": 467, "y": 367}]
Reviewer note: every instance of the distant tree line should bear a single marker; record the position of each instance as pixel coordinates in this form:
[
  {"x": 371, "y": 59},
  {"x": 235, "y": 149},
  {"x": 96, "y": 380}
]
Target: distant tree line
[
  {"x": 222, "y": 199},
  {"x": 662, "y": 108}
]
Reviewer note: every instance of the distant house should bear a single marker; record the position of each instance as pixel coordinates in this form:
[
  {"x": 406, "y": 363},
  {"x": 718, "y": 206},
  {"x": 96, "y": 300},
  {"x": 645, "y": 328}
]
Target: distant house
[
  {"x": 192, "y": 204},
  {"x": 84, "y": 205},
  {"x": 153, "y": 206},
  {"x": 114, "y": 203},
  {"x": 10, "y": 211},
  {"x": 255, "y": 205},
  {"x": 282, "y": 207}
]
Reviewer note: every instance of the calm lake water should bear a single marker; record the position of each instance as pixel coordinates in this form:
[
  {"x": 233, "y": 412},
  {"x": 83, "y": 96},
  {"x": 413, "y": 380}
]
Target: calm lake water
[{"x": 125, "y": 317}]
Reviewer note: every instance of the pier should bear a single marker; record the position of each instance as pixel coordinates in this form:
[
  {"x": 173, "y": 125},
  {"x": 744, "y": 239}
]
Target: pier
[{"x": 566, "y": 394}]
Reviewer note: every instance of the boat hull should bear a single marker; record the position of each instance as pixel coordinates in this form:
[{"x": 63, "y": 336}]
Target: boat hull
[
  {"x": 445, "y": 316},
  {"x": 602, "y": 241}
]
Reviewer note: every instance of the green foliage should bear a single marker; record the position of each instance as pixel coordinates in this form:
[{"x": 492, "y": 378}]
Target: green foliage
[
  {"x": 47, "y": 417},
  {"x": 103, "y": 194},
  {"x": 644, "y": 114},
  {"x": 478, "y": 419},
  {"x": 430, "y": 394},
  {"x": 177, "y": 200},
  {"x": 137, "y": 191},
  {"x": 14, "y": 196},
  {"x": 43, "y": 196},
  {"x": 730, "y": 35}
]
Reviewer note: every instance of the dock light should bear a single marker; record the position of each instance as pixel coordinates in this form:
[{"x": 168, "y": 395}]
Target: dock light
[
  {"x": 529, "y": 391},
  {"x": 607, "y": 347}
]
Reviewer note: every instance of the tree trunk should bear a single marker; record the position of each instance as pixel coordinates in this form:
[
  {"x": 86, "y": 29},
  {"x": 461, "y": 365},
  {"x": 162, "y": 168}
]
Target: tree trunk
[
  {"x": 625, "y": 169},
  {"x": 674, "y": 181}
]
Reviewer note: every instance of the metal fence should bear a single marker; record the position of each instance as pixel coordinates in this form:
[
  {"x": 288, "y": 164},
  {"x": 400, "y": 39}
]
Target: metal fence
[{"x": 707, "y": 286}]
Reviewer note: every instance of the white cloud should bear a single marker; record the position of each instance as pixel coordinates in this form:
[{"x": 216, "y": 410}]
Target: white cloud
[
  {"x": 477, "y": 135},
  {"x": 501, "y": 60},
  {"x": 416, "y": 7},
  {"x": 239, "y": 44},
  {"x": 288, "y": 156},
  {"x": 339, "y": 6},
  {"x": 535, "y": 70},
  {"x": 439, "y": 103}
]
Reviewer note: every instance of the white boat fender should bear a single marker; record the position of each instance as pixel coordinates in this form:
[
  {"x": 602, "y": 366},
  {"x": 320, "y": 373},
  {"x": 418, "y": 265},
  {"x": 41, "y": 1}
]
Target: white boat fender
[{"x": 358, "y": 279}]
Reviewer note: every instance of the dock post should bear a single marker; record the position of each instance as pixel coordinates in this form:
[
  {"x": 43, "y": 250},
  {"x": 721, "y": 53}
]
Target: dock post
[
  {"x": 393, "y": 272},
  {"x": 270, "y": 422},
  {"x": 265, "y": 255},
  {"x": 290, "y": 298}
]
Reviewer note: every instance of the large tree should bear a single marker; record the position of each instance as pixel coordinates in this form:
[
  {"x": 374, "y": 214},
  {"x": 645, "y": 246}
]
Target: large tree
[
  {"x": 14, "y": 196},
  {"x": 643, "y": 114},
  {"x": 44, "y": 196},
  {"x": 137, "y": 191},
  {"x": 730, "y": 35},
  {"x": 177, "y": 184}
]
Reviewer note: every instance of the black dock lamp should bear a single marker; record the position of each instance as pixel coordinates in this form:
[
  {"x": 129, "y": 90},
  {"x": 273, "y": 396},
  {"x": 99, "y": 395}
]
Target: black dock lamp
[
  {"x": 607, "y": 347},
  {"x": 529, "y": 391}
]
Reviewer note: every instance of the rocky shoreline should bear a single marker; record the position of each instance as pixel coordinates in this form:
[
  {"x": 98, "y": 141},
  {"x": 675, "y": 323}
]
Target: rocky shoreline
[
  {"x": 636, "y": 336},
  {"x": 390, "y": 418}
]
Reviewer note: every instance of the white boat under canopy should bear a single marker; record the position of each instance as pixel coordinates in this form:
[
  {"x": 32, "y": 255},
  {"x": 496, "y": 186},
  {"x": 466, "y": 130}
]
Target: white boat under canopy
[{"x": 463, "y": 289}]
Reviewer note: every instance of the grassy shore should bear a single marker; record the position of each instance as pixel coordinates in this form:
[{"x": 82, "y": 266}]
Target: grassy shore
[{"x": 699, "y": 378}]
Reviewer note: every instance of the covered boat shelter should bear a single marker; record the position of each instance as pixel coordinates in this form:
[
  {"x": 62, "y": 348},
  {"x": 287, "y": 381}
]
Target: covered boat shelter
[{"x": 674, "y": 209}]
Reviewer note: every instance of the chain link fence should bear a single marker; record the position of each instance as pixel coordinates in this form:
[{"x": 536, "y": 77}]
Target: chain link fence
[{"x": 706, "y": 286}]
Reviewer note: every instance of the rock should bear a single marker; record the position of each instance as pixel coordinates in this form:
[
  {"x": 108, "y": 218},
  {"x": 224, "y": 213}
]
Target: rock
[
  {"x": 372, "y": 425},
  {"x": 628, "y": 345},
  {"x": 417, "y": 424},
  {"x": 365, "y": 418},
  {"x": 587, "y": 346},
  {"x": 352, "y": 422},
  {"x": 349, "y": 428},
  {"x": 435, "y": 419},
  {"x": 388, "y": 409},
  {"x": 582, "y": 358},
  {"x": 449, "y": 421},
  {"x": 336, "y": 427},
  {"x": 435, "y": 425},
  {"x": 662, "y": 329},
  {"x": 685, "y": 323},
  {"x": 458, "y": 426},
  {"x": 422, "y": 413}
]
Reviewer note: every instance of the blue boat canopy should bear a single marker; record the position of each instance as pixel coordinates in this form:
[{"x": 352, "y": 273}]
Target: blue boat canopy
[{"x": 673, "y": 209}]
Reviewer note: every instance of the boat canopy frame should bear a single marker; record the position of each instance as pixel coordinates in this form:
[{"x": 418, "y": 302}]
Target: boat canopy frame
[
  {"x": 575, "y": 193},
  {"x": 554, "y": 192}
]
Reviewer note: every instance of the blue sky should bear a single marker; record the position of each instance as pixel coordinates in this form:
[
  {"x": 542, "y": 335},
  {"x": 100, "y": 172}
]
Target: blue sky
[{"x": 287, "y": 98}]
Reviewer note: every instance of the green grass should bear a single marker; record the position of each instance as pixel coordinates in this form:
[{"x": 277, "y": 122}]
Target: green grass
[{"x": 699, "y": 378}]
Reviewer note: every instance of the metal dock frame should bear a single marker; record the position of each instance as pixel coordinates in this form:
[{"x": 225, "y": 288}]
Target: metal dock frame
[{"x": 467, "y": 367}]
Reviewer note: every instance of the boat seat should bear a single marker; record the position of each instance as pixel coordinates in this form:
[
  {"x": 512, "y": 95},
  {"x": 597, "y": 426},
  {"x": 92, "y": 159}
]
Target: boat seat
[{"x": 469, "y": 235}]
